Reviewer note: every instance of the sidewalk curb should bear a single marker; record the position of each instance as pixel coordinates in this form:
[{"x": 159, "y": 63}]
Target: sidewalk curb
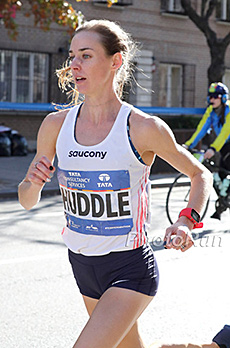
[
  {"x": 14, "y": 194},
  {"x": 56, "y": 191},
  {"x": 160, "y": 185}
]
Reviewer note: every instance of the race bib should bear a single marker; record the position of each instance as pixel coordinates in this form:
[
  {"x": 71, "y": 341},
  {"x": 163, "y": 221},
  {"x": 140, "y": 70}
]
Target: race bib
[{"x": 97, "y": 202}]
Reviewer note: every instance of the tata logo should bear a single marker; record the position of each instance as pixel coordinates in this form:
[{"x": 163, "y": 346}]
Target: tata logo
[{"x": 104, "y": 177}]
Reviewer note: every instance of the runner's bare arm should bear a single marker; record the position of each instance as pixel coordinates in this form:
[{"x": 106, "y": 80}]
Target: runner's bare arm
[
  {"x": 151, "y": 136},
  {"x": 40, "y": 169}
]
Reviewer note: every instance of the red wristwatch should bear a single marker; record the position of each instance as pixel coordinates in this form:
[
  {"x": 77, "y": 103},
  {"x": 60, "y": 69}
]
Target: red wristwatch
[{"x": 193, "y": 216}]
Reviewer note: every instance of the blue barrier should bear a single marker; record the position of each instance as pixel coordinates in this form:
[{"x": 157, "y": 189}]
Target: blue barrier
[
  {"x": 46, "y": 107},
  {"x": 26, "y": 106},
  {"x": 171, "y": 111}
]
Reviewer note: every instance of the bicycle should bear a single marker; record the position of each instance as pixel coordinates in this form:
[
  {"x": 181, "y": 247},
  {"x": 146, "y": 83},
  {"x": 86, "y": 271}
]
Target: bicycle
[{"x": 178, "y": 193}]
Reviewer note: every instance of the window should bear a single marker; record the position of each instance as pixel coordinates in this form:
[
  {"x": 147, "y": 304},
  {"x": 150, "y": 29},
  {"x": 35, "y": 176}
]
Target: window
[
  {"x": 170, "y": 85},
  {"x": 118, "y": 3},
  {"x": 130, "y": 88},
  {"x": 226, "y": 78},
  {"x": 189, "y": 85},
  {"x": 172, "y": 6},
  {"x": 23, "y": 77},
  {"x": 223, "y": 10},
  {"x": 138, "y": 91}
]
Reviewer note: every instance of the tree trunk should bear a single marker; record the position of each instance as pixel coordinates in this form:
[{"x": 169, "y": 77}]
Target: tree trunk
[
  {"x": 216, "y": 69},
  {"x": 217, "y": 46}
]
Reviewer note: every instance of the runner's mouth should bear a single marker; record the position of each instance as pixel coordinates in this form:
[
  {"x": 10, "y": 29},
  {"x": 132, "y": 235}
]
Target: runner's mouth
[{"x": 79, "y": 79}]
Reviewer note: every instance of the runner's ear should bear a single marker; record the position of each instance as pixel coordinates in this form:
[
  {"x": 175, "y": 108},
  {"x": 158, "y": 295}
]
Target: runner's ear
[{"x": 117, "y": 61}]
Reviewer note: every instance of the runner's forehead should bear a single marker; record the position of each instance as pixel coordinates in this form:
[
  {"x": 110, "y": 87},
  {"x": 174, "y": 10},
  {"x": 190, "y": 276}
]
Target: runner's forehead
[{"x": 85, "y": 41}]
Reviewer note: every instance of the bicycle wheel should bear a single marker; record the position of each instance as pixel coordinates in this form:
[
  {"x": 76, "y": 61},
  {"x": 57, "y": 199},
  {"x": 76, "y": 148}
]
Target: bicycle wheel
[{"x": 178, "y": 196}]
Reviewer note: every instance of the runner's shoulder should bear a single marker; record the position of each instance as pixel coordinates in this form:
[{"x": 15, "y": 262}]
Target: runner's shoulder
[
  {"x": 147, "y": 123},
  {"x": 57, "y": 116},
  {"x": 53, "y": 121}
]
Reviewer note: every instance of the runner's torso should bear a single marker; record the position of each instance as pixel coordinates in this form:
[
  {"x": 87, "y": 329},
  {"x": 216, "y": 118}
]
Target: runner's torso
[{"x": 104, "y": 189}]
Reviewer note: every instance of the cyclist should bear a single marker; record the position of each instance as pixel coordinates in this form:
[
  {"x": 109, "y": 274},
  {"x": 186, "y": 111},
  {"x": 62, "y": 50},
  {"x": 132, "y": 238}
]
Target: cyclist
[{"x": 217, "y": 116}]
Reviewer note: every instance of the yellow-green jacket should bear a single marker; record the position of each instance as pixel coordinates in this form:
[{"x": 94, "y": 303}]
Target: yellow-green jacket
[{"x": 211, "y": 119}]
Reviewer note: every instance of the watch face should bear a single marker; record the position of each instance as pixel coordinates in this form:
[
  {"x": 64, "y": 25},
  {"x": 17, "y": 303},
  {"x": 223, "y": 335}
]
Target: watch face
[{"x": 195, "y": 215}]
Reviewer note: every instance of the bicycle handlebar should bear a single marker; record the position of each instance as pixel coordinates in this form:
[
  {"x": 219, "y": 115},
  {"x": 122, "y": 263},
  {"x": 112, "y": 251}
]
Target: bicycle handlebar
[{"x": 209, "y": 163}]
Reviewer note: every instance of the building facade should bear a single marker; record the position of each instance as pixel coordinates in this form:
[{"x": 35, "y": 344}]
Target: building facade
[{"x": 172, "y": 64}]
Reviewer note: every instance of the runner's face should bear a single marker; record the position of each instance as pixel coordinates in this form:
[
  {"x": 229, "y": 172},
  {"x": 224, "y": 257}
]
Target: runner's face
[{"x": 90, "y": 65}]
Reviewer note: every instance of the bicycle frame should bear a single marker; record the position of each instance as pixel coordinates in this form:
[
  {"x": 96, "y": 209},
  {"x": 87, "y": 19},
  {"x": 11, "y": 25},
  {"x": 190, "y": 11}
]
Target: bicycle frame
[{"x": 181, "y": 189}]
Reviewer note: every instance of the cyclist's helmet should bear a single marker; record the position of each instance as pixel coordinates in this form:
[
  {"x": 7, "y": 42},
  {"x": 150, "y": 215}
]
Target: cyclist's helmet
[{"x": 218, "y": 90}]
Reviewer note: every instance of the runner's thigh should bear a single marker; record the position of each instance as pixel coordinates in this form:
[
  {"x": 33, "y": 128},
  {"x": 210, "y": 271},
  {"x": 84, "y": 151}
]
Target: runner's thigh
[{"x": 113, "y": 317}]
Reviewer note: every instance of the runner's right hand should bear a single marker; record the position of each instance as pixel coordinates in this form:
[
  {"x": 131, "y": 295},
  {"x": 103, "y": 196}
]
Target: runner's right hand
[{"x": 41, "y": 171}]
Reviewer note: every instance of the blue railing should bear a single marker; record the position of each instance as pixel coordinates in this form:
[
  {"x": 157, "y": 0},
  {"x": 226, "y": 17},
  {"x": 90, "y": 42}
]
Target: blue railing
[
  {"x": 26, "y": 106},
  {"x": 46, "y": 107},
  {"x": 171, "y": 111}
]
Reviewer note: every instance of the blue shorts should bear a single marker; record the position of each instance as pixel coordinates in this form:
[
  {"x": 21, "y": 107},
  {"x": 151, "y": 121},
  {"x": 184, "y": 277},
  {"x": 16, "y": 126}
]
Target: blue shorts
[
  {"x": 133, "y": 269},
  {"x": 223, "y": 337}
]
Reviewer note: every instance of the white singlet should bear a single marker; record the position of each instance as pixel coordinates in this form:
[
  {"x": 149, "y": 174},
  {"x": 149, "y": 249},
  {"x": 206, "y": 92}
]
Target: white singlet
[{"x": 104, "y": 189}]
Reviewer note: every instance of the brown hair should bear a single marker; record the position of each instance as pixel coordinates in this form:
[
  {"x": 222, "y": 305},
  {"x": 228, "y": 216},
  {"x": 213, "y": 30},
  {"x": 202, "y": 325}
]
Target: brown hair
[{"x": 114, "y": 39}]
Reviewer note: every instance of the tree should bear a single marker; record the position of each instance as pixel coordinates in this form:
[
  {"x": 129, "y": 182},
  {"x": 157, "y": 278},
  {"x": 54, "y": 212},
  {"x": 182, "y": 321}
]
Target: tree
[
  {"x": 44, "y": 11},
  {"x": 217, "y": 46}
]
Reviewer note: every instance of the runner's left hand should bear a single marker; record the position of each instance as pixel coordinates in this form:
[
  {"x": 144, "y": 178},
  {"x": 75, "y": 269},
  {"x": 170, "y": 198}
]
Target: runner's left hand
[{"x": 178, "y": 236}]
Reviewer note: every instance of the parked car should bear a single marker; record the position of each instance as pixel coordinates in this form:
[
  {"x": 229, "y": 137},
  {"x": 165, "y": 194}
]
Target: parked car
[{"x": 12, "y": 143}]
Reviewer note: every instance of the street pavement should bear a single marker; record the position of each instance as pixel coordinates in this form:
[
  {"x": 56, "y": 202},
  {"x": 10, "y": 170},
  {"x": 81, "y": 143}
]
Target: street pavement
[
  {"x": 40, "y": 305},
  {"x": 13, "y": 169}
]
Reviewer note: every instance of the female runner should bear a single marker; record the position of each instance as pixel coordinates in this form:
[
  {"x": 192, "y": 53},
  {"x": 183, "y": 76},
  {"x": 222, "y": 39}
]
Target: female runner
[{"x": 105, "y": 148}]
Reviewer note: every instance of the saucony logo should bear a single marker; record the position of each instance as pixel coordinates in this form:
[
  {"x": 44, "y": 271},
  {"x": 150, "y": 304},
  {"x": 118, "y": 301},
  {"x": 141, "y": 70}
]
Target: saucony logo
[{"x": 96, "y": 154}]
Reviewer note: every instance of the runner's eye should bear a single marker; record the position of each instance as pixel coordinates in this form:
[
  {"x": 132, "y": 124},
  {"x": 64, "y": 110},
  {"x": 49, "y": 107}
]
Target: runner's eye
[{"x": 86, "y": 56}]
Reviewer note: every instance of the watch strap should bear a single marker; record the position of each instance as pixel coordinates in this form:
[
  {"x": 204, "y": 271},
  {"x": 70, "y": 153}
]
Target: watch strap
[
  {"x": 193, "y": 216},
  {"x": 198, "y": 225}
]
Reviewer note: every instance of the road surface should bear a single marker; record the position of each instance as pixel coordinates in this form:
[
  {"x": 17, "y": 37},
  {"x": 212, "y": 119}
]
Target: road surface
[{"x": 42, "y": 308}]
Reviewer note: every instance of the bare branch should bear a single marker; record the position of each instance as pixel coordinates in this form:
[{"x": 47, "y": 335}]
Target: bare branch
[
  {"x": 212, "y": 6},
  {"x": 203, "y": 6},
  {"x": 226, "y": 39},
  {"x": 200, "y": 22}
]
